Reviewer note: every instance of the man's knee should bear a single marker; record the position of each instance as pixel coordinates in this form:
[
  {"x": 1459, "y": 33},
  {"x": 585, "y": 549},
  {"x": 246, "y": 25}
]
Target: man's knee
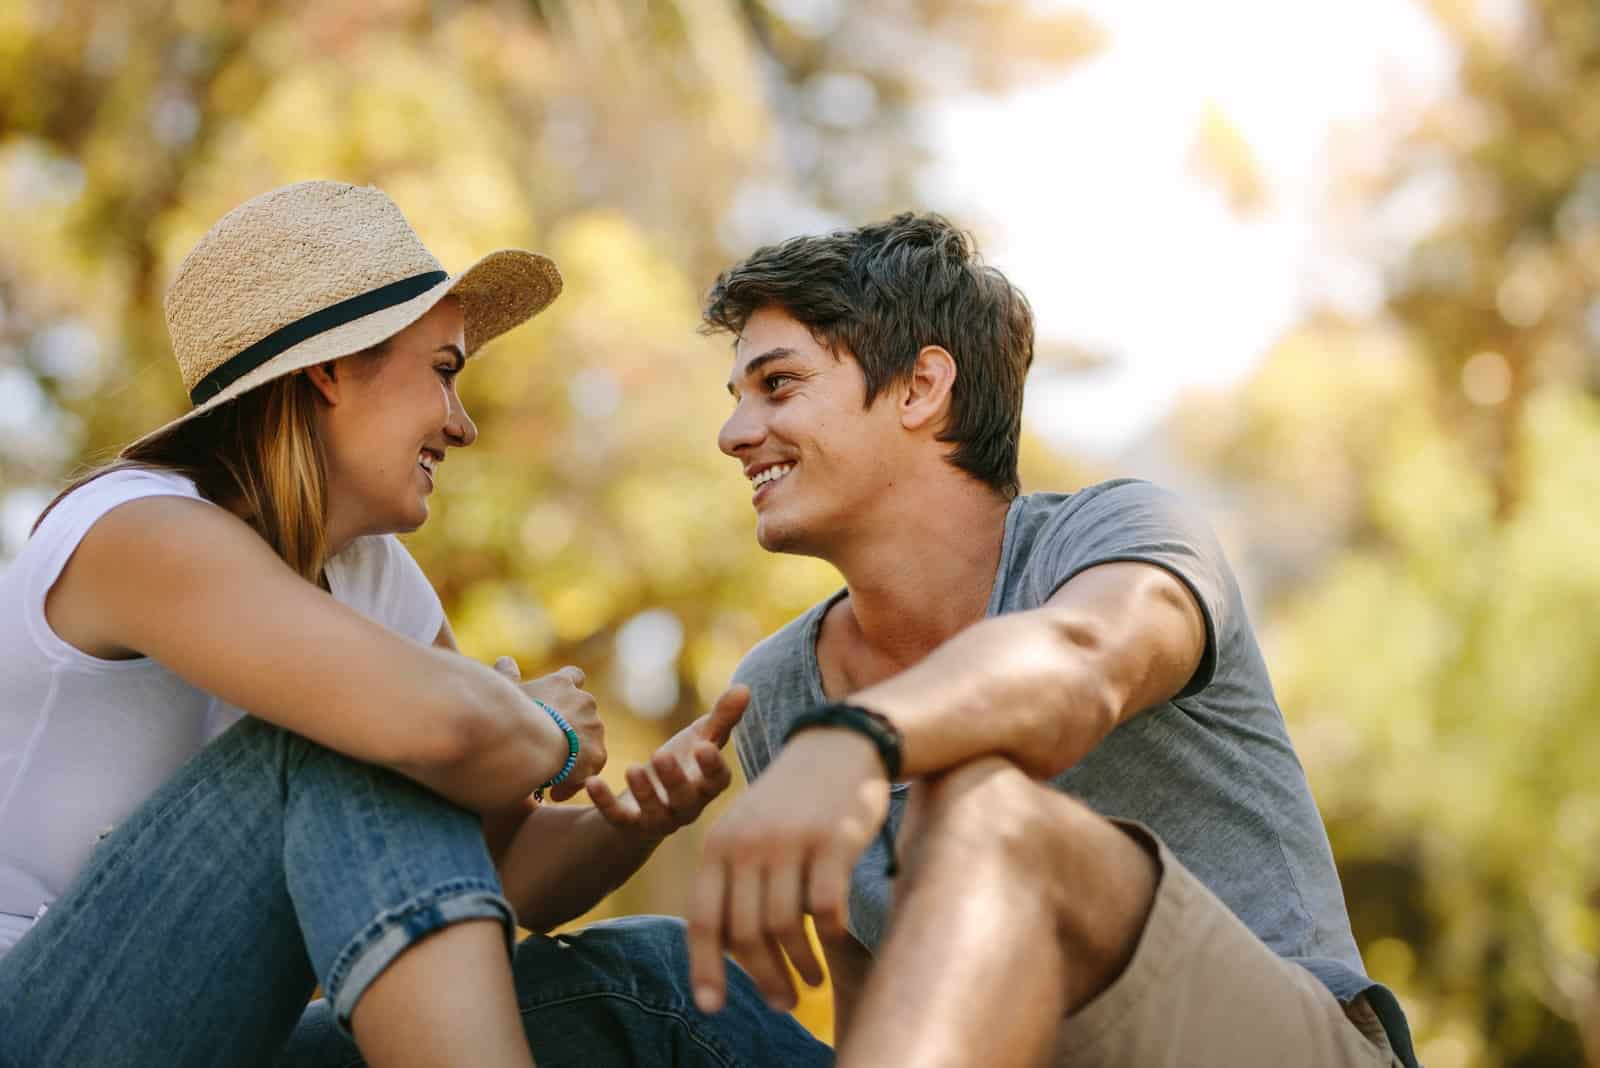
[
  {"x": 990, "y": 820},
  {"x": 989, "y": 811}
]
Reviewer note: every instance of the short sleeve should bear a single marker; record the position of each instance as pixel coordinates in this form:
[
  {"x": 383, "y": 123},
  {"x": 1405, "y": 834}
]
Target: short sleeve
[
  {"x": 1140, "y": 522},
  {"x": 378, "y": 577},
  {"x": 59, "y": 533}
]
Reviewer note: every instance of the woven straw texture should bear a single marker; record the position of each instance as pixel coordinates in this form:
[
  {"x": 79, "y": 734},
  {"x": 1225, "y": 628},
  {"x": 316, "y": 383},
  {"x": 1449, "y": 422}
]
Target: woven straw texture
[{"x": 294, "y": 251}]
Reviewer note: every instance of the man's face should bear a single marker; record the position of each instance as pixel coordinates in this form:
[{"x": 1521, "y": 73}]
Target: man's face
[{"x": 818, "y": 462}]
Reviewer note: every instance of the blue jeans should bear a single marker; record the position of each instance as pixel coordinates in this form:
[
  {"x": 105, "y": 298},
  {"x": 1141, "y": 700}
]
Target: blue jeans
[{"x": 268, "y": 864}]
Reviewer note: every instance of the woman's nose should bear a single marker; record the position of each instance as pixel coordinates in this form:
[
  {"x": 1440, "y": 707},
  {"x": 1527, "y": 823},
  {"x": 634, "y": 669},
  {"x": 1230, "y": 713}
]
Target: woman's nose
[{"x": 459, "y": 427}]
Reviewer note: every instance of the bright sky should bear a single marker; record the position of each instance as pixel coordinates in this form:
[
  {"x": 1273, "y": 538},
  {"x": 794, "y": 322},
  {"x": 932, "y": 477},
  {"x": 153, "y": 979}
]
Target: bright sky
[{"x": 1087, "y": 197}]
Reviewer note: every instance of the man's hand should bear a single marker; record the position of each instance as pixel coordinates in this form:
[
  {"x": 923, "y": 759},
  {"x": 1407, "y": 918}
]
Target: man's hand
[
  {"x": 785, "y": 848},
  {"x": 682, "y": 777},
  {"x": 562, "y": 691}
]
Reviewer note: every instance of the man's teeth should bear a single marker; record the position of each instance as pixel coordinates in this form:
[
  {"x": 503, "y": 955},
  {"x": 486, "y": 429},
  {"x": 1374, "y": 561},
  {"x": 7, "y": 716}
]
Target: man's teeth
[{"x": 771, "y": 474}]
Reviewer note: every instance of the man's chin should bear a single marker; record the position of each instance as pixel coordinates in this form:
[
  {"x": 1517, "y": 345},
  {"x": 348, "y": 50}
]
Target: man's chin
[{"x": 777, "y": 537}]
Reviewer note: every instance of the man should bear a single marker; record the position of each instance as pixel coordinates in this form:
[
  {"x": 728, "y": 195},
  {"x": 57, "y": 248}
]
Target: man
[{"x": 1109, "y": 852}]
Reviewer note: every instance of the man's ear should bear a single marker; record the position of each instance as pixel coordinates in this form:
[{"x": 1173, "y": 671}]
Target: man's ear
[
  {"x": 927, "y": 396},
  {"x": 325, "y": 378}
]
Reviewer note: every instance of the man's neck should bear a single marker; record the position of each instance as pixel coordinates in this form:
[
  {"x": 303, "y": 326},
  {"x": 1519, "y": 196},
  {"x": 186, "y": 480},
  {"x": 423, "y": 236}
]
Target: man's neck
[{"x": 924, "y": 579}]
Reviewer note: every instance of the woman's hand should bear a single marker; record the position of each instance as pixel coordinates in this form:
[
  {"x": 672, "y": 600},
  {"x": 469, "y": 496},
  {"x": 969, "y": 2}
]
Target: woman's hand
[
  {"x": 682, "y": 777},
  {"x": 563, "y": 692}
]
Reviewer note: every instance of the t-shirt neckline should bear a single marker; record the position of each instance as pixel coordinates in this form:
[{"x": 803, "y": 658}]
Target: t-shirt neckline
[{"x": 813, "y": 624}]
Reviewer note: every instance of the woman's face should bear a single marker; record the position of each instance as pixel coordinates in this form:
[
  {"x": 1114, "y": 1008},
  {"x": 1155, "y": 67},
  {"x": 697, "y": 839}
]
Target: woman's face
[{"x": 389, "y": 420}]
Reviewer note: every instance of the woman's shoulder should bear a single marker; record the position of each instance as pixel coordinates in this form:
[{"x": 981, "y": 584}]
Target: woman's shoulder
[
  {"x": 83, "y": 505},
  {"x": 125, "y": 484},
  {"x": 378, "y": 577}
]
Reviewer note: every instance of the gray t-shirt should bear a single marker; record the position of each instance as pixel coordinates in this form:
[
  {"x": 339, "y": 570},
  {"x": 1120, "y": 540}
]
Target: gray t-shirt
[{"x": 1212, "y": 771}]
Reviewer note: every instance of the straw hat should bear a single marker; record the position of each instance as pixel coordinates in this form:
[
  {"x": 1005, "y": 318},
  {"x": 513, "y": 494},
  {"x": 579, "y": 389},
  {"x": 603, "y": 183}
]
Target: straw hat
[{"x": 319, "y": 270}]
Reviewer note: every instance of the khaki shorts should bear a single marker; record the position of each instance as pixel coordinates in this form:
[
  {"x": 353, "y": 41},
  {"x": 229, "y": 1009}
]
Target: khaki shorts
[{"x": 1202, "y": 990}]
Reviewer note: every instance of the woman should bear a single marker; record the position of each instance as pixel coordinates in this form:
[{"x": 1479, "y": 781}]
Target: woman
[{"x": 176, "y": 876}]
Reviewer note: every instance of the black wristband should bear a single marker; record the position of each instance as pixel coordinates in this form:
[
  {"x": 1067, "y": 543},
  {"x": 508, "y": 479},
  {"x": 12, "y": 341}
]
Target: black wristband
[{"x": 865, "y": 722}]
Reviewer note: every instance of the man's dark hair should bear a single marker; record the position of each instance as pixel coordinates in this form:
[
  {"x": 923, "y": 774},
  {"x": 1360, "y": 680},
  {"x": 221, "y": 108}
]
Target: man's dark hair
[{"x": 883, "y": 292}]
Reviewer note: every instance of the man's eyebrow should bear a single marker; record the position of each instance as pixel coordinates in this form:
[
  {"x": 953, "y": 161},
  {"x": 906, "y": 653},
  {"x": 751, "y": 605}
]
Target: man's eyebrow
[
  {"x": 455, "y": 350},
  {"x": 758, "y": 362}
]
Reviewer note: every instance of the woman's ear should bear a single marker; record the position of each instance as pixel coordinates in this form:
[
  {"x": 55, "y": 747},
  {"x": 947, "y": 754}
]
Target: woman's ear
[
  {"x": 927, "y": 396},
  {"x": 325, "y": 378}
]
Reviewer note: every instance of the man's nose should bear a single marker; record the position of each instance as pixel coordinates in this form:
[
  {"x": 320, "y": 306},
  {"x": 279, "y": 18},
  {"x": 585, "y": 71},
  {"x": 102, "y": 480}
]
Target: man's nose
[{"x": 740, "y": 431}]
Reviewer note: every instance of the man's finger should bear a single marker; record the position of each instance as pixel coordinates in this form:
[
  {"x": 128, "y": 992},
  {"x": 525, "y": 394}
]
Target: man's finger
[
  {"x": 827, "y": 892},
  {"x": 614, "y": 808},
  {"x": 652, "y": 806},
  {"x": 682, "y": 794},
  {"x": 748, "y": 938},
  {"x": 706, "y": 973},
  {"x": 785, "y": 922},
  {"x": 713, "y": 768},
  {"x": 725, "y": 714}
]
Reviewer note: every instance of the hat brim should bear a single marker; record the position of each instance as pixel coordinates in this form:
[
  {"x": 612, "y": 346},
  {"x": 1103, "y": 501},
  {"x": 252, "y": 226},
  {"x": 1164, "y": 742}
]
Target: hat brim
[{"x": 502, "y": 290}]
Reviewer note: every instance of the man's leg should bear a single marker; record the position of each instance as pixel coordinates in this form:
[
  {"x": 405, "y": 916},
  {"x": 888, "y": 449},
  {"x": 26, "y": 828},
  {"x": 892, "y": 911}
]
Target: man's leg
[
  {"x": 1016, "y": 906},
  {"x": 1029, "y": 930}
]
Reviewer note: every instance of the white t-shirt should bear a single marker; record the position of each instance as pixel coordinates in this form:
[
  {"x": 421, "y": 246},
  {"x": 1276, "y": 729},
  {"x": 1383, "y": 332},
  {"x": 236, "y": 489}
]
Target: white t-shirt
[{"x": 83, "y": 741}]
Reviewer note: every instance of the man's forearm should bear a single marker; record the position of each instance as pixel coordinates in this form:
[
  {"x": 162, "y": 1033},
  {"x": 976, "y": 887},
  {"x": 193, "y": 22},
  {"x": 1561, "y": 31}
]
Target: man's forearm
[
  {"x": 563, "y": 861},
  {"x": 1044, "y": 687},
  {"x": 1010, "y": 685}
]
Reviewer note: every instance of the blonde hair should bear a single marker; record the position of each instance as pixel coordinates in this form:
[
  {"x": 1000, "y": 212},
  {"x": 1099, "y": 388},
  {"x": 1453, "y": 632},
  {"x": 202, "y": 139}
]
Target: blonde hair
[{"x": 260, "y": 452}]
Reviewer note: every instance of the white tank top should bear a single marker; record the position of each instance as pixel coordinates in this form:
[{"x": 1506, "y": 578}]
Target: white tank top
[{"x": 83, "y": 741}]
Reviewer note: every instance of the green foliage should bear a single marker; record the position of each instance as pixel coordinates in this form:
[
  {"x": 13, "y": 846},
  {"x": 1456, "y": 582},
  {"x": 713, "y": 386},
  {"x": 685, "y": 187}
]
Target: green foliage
[
  {"x": 642, "y": 145},
  {"x": 1421, "y": 491}
]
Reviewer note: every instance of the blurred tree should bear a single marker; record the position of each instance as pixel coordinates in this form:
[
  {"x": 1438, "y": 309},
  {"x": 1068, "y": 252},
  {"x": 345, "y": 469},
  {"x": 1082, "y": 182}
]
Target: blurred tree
[
  {"x": 641, "y": 144},
  {"x": 1419, "y": 487}
]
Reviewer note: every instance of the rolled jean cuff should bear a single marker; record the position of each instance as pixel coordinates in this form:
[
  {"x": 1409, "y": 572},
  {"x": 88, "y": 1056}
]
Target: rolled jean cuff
[{"x": 395, "y": 930}]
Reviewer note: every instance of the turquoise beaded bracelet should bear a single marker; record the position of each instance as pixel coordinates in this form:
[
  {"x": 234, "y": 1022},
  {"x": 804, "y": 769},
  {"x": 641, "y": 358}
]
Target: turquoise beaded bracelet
[{"x": 572, "y": 750}]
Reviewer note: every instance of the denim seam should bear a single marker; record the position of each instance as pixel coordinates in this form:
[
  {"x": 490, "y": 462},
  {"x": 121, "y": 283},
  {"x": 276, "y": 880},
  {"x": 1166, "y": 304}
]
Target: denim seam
[
  {"x": 351, "y": 963},
  {"x": 711, "y": 1046}
]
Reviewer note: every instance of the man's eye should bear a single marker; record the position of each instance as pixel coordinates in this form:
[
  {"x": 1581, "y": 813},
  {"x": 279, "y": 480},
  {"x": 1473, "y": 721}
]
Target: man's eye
[{"x": 777, "y": 381}]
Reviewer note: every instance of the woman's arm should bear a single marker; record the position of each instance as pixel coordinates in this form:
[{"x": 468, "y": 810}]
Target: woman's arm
[{"x": 193, "y": 587}]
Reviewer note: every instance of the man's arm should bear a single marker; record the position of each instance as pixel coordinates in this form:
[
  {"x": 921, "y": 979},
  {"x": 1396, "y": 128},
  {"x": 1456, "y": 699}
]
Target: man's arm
[
  {"x": 562, "y": 861},
  {"x": 1042, "y": 688}
]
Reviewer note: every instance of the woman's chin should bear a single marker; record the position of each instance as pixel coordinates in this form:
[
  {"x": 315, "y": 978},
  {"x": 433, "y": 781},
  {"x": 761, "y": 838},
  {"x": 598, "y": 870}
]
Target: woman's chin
[{"x": 410, "y": 519}]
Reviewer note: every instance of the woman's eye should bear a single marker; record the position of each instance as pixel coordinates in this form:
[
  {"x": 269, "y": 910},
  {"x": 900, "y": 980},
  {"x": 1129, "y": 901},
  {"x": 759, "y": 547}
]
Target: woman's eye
[{"x": 448, "y": 372}]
